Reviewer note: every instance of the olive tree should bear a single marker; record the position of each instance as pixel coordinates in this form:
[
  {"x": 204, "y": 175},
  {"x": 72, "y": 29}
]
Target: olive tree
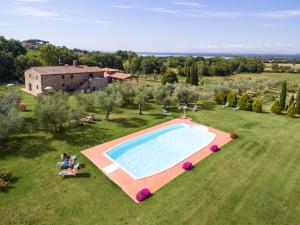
[
  {"x": 186, "y": 93},
  {"x": 10, "y": 119},
  {"x": 53, "y": 112},
  {"x": 142, "y": 96},
  {"x": 109, "y": 99},
  {"x": 162, "y": 94}
]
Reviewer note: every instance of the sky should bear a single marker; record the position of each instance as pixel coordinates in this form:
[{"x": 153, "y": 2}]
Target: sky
[{"x": 205, "y": 26}]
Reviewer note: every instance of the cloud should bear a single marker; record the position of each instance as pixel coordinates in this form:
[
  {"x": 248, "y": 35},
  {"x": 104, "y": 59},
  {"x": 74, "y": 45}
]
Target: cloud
[
  {"x": 212, "y": 14},
  {"x": 270, "y": 25},
  {"x": 21, "y": 2},
  {"x": 186, "y": 3},
  {"x": 162, "y": 10},
  {"x": 36, "y": 12},
  {"x": 31, "y": 11},
  {"x": 281, "y": 14},
  {"x": 103, "y": 22},
  {"x": 121, "y": 6}
]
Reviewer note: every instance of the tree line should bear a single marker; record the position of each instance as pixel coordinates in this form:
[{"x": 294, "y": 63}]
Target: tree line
[{"x": 14, "y": 59}]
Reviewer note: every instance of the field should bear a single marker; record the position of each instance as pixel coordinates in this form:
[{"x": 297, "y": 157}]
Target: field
[
  {"x": 252, "y": 180},
  {"x": 293, "y": 66},
  {"x": 295, "y": 78}
]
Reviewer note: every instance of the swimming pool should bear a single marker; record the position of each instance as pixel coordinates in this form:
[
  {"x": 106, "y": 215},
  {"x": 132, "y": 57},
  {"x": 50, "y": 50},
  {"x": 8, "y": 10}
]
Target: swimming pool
[{"x": 159, "y": 150}]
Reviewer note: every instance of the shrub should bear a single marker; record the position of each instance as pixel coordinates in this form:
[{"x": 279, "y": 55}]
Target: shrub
[
  {"x": 143, "y": 194},
  {"x": 4, "y": 184},
  {"x": 169, "y": 77},
  {"x": 291, "y": 102},
  {"x": 187, "y": 166},
  {"x": 214, "y": 148},
  {"x": 22, "y": 106},
  {"x": 232, "y": 99},
  {"x": 283, "y": 96},
  {"x": 257, "y": 105},
  {"x": 234, "y": 135},
  {"x": 276, "y": 107},
  {"x": 298, "y": 102},
  {"x": 245, "y": 102},
  {"x": 5, "y": 176},
  {"x": 220, "y": 98},
  {"x": 292, "y": 110}
]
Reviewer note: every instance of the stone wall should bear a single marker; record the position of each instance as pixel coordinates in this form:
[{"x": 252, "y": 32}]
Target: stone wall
[
  {"x": 36, "y": 83},
  {"x": 33, "y": 82}
]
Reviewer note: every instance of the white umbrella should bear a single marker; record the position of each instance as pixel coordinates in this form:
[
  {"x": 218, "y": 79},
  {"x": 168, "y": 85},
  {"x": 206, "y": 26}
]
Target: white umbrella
[
  {"x": 9, "y": 85},
  {"x": 48, "y": 88}
]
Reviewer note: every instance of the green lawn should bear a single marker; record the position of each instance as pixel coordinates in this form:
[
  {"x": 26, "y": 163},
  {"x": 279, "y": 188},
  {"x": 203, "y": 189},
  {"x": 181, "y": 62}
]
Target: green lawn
[{"x": 252, "y": 180}]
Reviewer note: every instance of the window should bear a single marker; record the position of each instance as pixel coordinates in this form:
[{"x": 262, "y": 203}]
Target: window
[
  {"x": 37, "y": 87},
  {"x": 71, "y": 76},
  {"x": 63, "y": 85},
  {"x": 36, "y": 77},
  {"x": 29, "y": 75},
  {"x": 62, "y": 76}
]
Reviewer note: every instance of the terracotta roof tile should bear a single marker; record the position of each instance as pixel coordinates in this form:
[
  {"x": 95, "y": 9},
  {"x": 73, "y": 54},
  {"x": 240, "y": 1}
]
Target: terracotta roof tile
[
  {"x": 49, "y": 70},
  {"x": 121, "y": 76}
]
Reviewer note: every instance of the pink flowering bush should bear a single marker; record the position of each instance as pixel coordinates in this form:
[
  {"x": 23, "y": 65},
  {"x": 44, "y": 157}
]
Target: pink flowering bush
[
  {"x": 22, "y": 106},
  {"x": 187, "y": 166},
  {"x": 143, "y": 194},
  {"x": 214, "y": 148}
]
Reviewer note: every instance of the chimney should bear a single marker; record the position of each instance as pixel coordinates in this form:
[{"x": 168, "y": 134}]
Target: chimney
[{"x": 75, "y": 63}]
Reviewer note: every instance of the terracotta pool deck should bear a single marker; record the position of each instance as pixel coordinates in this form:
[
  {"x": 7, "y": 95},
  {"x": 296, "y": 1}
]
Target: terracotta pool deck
[{"x": 131, "y": 186}]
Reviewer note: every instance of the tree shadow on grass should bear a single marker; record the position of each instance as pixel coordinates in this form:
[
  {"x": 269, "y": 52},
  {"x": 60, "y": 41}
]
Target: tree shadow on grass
[
  {"x": 29, "y": 125},
  {"x": 134, "y": 122},
  {"x": 207, "y": 106},
  {"x": 159, "y": 116},
  {"x": 79, "y": 175},
  {"x": 28, "y": 147},
  {"x": 86, "y": 135}
]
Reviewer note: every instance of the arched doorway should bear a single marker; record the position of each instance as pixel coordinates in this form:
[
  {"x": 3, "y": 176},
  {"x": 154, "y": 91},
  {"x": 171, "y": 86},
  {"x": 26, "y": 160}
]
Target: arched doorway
[{"x": 30, "y": 87}]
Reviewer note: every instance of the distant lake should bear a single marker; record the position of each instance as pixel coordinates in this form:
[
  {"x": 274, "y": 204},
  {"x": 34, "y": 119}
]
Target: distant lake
[{"x": 207, "y": 56}]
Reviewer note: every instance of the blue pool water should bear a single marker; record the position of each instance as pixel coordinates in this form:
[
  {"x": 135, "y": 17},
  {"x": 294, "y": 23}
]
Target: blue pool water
[{"x": 159, "y": 150}]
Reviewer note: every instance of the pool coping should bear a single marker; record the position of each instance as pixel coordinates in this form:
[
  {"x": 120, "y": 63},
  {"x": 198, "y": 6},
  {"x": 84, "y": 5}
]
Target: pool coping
[
  {"x": 130, "y": 185},
  {"x": 161, "y": 171}
]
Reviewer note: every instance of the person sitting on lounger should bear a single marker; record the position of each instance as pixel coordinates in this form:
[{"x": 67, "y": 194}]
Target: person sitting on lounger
[
  {"x": 69, "y": 171},
  {"x": 165, "y": 112},
  {"x": 65, "y": 156},
  {"x": 66, "y": 163}
]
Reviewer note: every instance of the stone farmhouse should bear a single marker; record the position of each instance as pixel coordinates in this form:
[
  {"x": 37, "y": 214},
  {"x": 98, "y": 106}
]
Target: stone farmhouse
[{"x": 70, "y": 78}]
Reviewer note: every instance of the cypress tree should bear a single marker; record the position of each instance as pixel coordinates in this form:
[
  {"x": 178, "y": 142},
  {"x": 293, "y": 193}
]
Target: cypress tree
[
  {"x": 188, "y": 76},
  {"x": 283, "y": 96},
  {"x": 257, "y": 105},
  {"x": 292, "y": 110},
  {"x": 292, "y": 100},
  {"x": 194, "y": 76},
  {"x": 232, "y": 99},
  {"x": 298, "y": 102}
]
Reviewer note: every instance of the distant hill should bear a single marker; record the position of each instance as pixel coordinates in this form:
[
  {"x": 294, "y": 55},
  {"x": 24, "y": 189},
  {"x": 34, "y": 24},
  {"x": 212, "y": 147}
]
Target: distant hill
[{"x": 34, "y": 43}]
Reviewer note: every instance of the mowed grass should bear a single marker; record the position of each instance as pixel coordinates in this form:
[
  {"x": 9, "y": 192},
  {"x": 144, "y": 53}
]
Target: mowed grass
[{"x": 252, "y": 180}]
